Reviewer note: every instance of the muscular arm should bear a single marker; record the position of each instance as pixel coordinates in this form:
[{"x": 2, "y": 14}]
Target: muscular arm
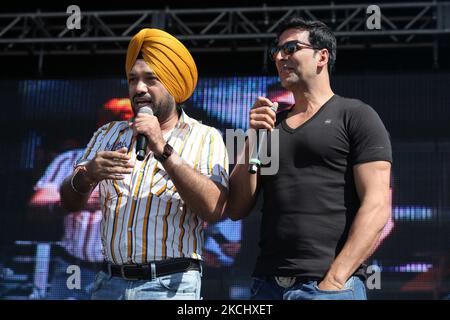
[
  {"x": 244, "y": 186},
  {"x": 372, "y": 185}
]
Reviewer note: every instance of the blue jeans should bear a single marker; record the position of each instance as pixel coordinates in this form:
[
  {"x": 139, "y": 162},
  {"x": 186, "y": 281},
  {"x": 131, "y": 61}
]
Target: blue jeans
[
  {"x": 177, "y": 286},
  {"x": 58, "y": 286},
  {"x": 268, "y": 289}
]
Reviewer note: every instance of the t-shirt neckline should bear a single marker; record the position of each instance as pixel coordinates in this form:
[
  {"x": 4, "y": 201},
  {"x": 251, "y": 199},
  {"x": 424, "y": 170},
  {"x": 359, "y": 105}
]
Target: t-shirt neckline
[{"x": 293, "y": 130}]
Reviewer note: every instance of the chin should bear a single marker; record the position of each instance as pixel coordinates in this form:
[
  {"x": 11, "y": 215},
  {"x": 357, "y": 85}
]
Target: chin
[
  {"x": 289, "y": 81},
  {"x": 286, "y": 83}
]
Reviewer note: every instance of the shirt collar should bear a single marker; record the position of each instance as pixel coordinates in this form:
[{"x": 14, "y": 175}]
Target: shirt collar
[{"x": 186, "y": 120}]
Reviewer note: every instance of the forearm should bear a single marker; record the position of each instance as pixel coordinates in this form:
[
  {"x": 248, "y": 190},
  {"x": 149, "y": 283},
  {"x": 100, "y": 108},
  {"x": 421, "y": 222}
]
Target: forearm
[
  {"x": 71, "y": 200},
  {"x": 363, "y": 236},
  {"x": 105, "y": 165},
  {"x": 201, "y": 194},
  {"x": 243, "y": 188}
]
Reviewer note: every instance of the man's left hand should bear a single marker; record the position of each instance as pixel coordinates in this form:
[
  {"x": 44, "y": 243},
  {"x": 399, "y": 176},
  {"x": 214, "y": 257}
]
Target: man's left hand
[
  {"x": 328, "y": 285},
  {"x": 148, "y": 125}
]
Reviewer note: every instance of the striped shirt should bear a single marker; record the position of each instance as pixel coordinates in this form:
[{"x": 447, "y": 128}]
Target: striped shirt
[
  {"x": 144, "y": 218},
  {"x": 81, "y": 229}
]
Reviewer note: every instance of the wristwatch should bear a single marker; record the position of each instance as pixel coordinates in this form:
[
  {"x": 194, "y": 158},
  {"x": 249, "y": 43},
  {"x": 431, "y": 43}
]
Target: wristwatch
[{"x": 168, "y": 150}]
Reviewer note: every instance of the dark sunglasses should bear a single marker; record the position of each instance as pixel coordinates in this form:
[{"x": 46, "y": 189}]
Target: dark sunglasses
[{"x": 289, "y": 48}]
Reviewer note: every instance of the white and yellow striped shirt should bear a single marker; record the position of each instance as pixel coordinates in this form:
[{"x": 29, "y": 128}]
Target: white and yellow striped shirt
[{"x": 144, "y": 218}]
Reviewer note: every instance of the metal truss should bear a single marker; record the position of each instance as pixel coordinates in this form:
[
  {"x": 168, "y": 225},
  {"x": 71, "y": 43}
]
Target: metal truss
[{"x": 221, "y": 30}]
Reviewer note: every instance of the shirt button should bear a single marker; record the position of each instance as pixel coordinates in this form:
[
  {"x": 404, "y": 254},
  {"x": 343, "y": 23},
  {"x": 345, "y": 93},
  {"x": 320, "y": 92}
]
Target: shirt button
[{"x": 129, "y": 229}]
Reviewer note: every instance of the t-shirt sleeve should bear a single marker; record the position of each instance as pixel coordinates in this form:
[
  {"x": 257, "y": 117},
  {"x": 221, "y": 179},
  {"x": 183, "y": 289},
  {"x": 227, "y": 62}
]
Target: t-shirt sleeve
[
  {"x": 214, "y": 158},
  {"x": 369, "y": 139}
]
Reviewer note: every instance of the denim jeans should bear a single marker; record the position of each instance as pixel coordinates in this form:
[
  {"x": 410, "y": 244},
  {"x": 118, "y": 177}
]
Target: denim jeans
[
  {"x": 268, "y": 289},
  {"x": 177, "y": 286}
]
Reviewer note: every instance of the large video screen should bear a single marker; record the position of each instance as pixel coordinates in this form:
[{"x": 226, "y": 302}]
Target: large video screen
[{"x": 46, "y": 125}]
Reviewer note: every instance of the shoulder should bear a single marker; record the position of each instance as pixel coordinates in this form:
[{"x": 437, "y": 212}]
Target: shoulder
[
  {"x": 352, "y": 106},
  {"x": 208, "y": 130},
  {"x": 197, "y": 127},
  {"x": 348, "y": 104},
  {"x": 354, "y": 110},
  {"x": 114, "y": 125},
  {"x": 111, "y": 129}
]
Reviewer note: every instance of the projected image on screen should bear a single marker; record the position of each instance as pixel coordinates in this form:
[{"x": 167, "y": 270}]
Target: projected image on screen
[{"x": 40, "y": 241}]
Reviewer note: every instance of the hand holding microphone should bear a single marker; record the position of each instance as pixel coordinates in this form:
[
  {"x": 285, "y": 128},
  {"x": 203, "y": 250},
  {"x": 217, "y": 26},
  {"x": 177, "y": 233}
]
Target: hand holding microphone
[
  {"x": 262, "y": 116},
  {"x": 141, "y": 139},
  {"x": 148, "y": 132}
]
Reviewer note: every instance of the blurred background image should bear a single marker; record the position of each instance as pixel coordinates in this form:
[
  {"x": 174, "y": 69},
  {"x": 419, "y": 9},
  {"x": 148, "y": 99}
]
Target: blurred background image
[{"x": 55, "y": 94}]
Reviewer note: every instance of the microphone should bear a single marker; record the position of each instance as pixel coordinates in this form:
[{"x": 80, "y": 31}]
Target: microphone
[
  {"x": 141, "y": 140},
  {"x": 255, "y": 163}
]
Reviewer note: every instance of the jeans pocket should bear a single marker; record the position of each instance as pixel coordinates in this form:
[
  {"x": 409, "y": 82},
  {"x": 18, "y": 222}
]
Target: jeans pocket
[
  {"x": 183, "y": 282},
  {"x": 98, "y": 282},
  {"x": 348, "y": 286},
  {"x": 347, "y": 293}
]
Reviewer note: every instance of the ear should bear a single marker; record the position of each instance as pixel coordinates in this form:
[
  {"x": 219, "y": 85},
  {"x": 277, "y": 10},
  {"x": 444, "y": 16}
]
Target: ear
[{"x": 323, "y": 57}]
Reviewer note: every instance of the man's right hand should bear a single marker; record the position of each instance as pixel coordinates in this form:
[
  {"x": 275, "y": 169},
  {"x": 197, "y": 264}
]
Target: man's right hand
[
  {"x": 261, "y": 114},
  {"x": 109, "y": 165}
]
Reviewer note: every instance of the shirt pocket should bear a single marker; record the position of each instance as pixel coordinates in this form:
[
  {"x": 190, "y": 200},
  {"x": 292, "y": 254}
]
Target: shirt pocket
[
  {"x": 110, "y": 201},
  {"x": 163, "y": 187}
]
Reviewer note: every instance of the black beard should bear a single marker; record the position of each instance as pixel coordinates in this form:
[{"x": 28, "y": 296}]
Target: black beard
[{"x": 158, "y": 109}]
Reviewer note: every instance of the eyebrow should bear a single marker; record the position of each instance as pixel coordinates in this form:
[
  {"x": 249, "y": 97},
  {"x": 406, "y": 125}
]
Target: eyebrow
[{"x": 147, "y": 73}]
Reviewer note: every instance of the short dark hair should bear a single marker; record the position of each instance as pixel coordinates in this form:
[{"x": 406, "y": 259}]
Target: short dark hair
[{"x": 320, "y": 35}]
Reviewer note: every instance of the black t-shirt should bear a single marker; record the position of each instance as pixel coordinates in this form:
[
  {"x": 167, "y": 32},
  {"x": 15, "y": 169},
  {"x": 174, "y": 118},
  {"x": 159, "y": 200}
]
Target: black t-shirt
[{"x": 310, "y": 203}]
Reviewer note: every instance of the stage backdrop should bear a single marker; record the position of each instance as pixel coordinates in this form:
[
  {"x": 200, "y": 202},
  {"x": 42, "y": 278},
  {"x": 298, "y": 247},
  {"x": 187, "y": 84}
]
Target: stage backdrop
[{"x": 42, "y": 119}]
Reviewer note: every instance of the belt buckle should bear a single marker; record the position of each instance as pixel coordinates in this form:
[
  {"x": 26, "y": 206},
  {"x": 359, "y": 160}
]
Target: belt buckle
[
  {"x": 122, "y": 273},
  {"x": 285, "y": 282}
]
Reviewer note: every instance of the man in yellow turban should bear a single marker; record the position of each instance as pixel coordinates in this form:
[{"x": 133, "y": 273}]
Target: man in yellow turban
[
  {"x": 154, "y": 207},
  {"x": 168, "y": 58}
]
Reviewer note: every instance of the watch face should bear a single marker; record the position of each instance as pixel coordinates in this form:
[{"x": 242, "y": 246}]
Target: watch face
[
  {"x": 166, "y": 153},
  {"x": 168, "y": 149}
]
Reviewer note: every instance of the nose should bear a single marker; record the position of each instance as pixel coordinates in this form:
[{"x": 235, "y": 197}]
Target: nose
[
  {"x": 280, "y": 56},
  {"x": 141, "y": 87}
]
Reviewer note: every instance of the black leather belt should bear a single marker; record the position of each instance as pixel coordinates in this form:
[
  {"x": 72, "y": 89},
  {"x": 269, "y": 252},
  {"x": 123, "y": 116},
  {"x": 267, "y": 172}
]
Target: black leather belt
[{"x": 153, "y": 269}]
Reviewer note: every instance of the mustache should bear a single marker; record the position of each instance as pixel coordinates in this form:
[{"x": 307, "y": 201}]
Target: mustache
[{"x": 145, "y": 97}]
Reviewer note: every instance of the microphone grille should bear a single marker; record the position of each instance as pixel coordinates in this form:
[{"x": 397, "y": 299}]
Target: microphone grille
[{"x": 146, "y": 110}]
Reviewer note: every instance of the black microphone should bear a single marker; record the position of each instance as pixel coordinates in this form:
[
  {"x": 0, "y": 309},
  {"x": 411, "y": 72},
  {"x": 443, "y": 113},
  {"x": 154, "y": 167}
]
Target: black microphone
[
  {"x": 255, "y": 163},
  {"x": 141, "y": 140}
]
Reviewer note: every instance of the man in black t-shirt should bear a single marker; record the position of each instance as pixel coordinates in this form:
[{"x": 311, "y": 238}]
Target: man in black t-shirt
[{"x": 325, "y": 208}]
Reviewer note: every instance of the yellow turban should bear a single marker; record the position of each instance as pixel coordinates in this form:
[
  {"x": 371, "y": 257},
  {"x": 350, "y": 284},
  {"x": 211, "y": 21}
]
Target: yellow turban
[{"x": 168, "y": 58}]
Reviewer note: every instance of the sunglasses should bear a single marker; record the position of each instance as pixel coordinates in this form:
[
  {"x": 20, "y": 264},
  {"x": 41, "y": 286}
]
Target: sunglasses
[{"x": 289, "y": 48}]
